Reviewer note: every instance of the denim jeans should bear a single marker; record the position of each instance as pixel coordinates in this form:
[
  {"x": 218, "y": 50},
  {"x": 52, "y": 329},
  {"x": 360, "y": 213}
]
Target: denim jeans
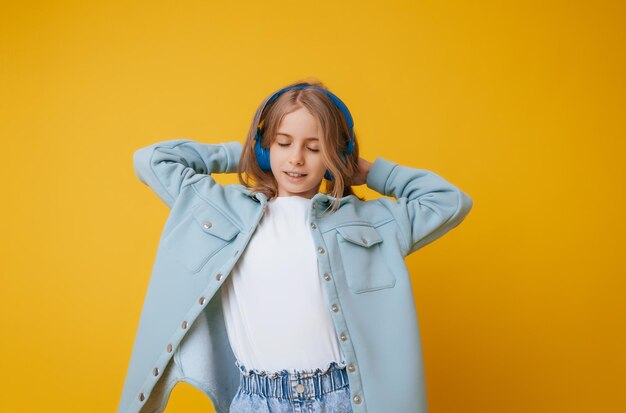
[{"x": 295, "y": 391}]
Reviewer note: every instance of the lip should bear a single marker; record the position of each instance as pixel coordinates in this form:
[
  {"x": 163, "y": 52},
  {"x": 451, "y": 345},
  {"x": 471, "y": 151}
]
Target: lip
[
  {"x": 294, "y": 172},
  {"x": 294, "y": 179}
]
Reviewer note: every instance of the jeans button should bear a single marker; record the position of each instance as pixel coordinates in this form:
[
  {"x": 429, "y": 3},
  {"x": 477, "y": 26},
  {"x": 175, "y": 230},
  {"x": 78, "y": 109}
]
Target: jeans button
[{"x": 300, "y": 388}]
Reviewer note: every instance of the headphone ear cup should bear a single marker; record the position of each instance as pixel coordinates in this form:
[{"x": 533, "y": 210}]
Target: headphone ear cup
[{"x": 262, "y": 154}]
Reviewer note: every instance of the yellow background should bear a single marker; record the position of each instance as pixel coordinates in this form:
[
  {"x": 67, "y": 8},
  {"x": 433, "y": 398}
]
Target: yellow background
[{"x": 520, "y": 104}]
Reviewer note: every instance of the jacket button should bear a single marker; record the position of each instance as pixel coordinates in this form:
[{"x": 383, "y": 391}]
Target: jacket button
[
  {"x": 155, "y": 371},
  {"x": 202, "y": 300},
  {"x": 142, "y": 397},
  {"x": 351, "y": 368},
  {"x": 343, "y": 337},
  {"x": 327, "y": 276},
  {"x": 169, "y": 348},
  {"x": 321, "y": 250},
  {"x": 313, "y": 225},
  {"x": 184, "y": 325},
  {"x": 335, "y": 308},
  {"x": 218, "y": 276},
  {"x": 300, "y": 388},
  {"x": 357, "y": 399},
  {"x": 207, "y": 225}
]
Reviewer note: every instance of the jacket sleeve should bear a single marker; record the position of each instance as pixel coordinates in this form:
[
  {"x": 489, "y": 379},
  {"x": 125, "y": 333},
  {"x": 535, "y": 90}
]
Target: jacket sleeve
[
  {"x": 426, "y": 205},
  {"x": 169, "y": 166}
]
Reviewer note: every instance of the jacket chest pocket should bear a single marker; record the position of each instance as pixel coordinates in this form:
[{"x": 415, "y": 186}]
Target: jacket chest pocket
[
  {"x": 363, "y": 260},
  {"x": 199, "y": 236}
]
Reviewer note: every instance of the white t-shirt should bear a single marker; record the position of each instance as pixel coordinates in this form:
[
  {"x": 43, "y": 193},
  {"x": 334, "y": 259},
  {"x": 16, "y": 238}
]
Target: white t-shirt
[{"x": 274, "y": 308}]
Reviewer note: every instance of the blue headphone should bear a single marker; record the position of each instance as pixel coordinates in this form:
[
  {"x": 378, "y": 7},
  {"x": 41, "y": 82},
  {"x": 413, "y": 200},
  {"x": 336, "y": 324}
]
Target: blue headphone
[{"x": 263, "y": 154}]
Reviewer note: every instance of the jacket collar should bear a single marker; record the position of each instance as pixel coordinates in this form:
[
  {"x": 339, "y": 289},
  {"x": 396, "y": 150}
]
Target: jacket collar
[{"x": 318, "y": 199}]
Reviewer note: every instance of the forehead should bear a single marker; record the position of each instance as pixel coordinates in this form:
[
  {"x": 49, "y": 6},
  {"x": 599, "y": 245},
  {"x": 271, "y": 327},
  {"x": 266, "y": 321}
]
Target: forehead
[{"x": 299, "y": 123}]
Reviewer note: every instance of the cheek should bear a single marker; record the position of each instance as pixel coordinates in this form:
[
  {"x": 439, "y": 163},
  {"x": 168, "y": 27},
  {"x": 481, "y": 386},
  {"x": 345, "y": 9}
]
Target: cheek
[
  {"x": 275, "y": 156},
  {"x": 319, "y": 166}
]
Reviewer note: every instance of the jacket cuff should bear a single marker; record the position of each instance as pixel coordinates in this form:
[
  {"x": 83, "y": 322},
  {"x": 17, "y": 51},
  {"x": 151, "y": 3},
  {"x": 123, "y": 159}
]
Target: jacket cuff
[
  {"x": 233, "y": 153},
  {"x": 379, "y": 174}
]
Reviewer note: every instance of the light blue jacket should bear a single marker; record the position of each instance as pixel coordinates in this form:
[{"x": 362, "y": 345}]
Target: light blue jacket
[{"x": 360, "y": 248}]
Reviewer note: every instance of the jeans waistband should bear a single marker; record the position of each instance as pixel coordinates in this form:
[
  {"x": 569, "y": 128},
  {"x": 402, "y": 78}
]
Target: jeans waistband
[{"x": 294, "y": 384}]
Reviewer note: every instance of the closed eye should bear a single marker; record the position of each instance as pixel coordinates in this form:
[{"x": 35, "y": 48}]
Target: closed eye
[{"x": 311, "y": 149}]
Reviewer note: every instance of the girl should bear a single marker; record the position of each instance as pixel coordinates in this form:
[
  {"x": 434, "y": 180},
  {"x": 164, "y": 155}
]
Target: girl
[{"x": 272, "y": 296}]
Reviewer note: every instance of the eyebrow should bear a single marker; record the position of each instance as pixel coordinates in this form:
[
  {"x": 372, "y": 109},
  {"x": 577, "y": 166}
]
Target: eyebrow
[{"x": 288, "y": 135}]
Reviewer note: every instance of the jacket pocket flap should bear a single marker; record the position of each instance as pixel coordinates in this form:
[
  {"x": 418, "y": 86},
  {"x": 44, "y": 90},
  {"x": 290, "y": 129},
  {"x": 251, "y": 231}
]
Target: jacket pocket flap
[
  {"x": 363, "y": 235},
  {"x": 214, "y": 222}
]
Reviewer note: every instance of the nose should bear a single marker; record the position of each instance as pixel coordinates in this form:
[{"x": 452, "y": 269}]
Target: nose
[{"x": 296, "y": 157}]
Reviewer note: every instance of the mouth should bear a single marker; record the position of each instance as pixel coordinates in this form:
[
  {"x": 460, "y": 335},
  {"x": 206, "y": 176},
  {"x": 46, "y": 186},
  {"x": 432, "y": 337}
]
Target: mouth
[{"x": 294, "y": 176}]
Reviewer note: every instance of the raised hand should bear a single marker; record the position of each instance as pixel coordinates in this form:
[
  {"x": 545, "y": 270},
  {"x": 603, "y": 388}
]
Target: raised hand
[{"x": 361, "y": 176}]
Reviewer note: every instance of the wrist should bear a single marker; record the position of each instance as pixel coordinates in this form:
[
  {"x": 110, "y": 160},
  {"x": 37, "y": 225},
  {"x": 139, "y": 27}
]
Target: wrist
[{"x": 379, "y": 173}]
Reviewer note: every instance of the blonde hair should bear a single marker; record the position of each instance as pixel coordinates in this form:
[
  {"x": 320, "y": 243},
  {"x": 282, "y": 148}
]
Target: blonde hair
[{"x": 334, "y": 136}]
